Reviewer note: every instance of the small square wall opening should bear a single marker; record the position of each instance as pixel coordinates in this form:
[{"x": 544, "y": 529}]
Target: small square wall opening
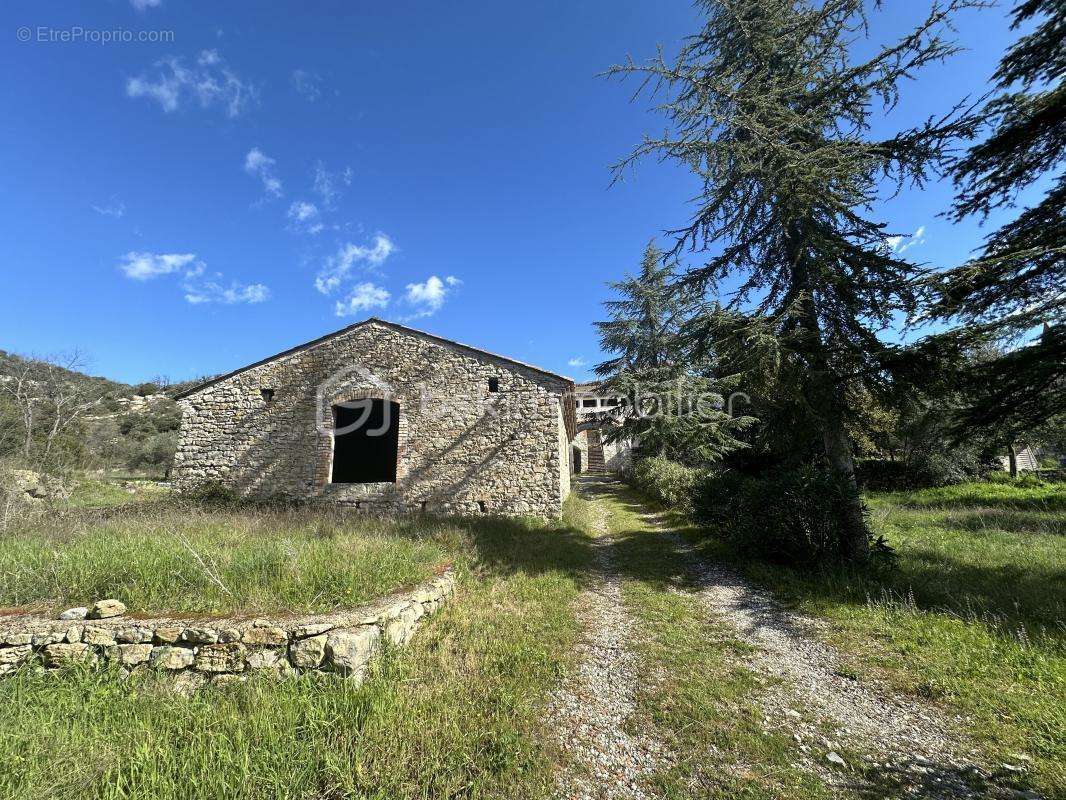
[
  {"x": 268, "y": 395},
  {"x": 494, "y": 384}
]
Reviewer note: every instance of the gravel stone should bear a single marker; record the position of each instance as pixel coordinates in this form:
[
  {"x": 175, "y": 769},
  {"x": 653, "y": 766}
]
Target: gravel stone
[{"x": 591, "y": 713}]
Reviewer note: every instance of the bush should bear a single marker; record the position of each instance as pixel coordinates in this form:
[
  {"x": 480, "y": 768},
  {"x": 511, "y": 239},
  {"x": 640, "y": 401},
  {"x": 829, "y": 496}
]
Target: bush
[
  {"x": 796, "y": 516},
  {"x": 1025, "y": 480},
  {"x": 921, "y": 471},
  {"x": 213, "y": 493},
  {"x": 670, "y": 483},
  {"x": 155, "y": 452},
  {"x": 882, "y": 475}
]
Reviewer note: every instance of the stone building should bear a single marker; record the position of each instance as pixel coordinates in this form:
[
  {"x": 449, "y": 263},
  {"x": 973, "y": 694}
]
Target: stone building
[
  {"x": 383, "y": 417},
  {"x": 590, "y": 451}
]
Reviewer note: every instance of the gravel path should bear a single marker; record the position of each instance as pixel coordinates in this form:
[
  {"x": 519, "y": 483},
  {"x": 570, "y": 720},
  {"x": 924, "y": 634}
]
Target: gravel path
[
  {"x": 592, "y": 713},
  {"x": 908, "y": 747}
]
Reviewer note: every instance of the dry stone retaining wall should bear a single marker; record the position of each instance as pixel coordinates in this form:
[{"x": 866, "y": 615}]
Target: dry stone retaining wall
[{"x": 226, "y": 650}]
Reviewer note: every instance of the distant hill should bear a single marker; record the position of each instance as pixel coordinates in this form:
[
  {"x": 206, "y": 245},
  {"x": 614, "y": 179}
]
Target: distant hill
[
  {"x": 132, "y": 425},
  {"x": 11, "y": 364}
]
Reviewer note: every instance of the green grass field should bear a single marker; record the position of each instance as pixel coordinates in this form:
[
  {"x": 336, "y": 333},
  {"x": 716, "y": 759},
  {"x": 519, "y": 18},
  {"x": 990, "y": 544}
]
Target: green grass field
[
  {"x": 974, "y": 618},
  {"x": 180, "y": 557},
  {"x": 457, "y": 714}
]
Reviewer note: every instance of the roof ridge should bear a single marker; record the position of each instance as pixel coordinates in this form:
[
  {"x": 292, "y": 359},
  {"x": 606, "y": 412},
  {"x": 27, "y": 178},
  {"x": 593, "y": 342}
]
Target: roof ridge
[{"x": 369, "y": 320}]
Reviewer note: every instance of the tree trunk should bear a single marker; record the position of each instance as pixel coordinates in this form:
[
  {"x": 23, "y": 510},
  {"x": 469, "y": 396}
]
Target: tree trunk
[
  {"x": 1012, "y": 459},
  {"x": 856, "y": 542},
  {"x": 27, "y": 445},
  {"x": 827, "y": 392}
]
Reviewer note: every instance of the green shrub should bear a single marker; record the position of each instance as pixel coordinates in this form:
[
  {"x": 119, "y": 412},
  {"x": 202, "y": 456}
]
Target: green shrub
[
  {"x": 670, "y": 483},
  {"x": 213, "y": 493},
  {"x": 882, "y": 474},
  {"x": 796, "y": 516},
  {"x": 790, "y": 514},
  {"x": 1025, "y": 480},
  {"x": 920, "y": 471}
]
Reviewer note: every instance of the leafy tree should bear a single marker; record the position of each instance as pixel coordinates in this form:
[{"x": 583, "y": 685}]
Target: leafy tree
[
  {"x": 1016, "y": 282},
  {"x": 768, "y": 107},
  {"x": 45, "y": 404},
  {"x": 673, "y": 407}
]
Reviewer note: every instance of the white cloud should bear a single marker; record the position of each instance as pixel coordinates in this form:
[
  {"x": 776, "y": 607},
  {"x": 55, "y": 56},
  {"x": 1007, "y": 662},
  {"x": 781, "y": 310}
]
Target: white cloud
[
  {"x": 901, "y": 244},
  {"x": 338, "y": 266},
  {"x": 331, "y": 185},
  {"x": 211, "y": 291},
  {"x": 307, "y": 84},
  {"x": 362, "y": 297},
  {"x": 259, "y": 165},
  {"x": 304, "y": 217},
  {"x": 143, "y": 5},
  {"x": 113, "y": 208},
  {"x": 302, "y": 211},
  {"x": 142, "y": 266},
  {"x": 430, "y": 295},
  {"x": 916, "y": 239},
  {"x": 577, "y": 361},
  {"x": 209, "y": 80},
  {"x": 197, "y": 288}
]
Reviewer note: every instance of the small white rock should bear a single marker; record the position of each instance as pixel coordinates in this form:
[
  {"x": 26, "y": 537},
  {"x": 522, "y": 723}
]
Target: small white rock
[
  {"x": 833, "y": 757},
  {"x": 78, "y": 612}
]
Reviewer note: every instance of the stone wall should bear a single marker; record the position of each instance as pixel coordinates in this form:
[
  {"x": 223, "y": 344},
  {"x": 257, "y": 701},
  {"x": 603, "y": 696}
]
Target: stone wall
[
  {"x": 226, "y": 650},
  {"x": 462, "y": 448},
  {"x": 617, "y": 456}
]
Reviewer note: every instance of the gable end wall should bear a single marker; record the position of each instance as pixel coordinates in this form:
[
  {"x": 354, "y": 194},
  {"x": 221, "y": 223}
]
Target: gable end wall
[{"x": 459, "y": 444}]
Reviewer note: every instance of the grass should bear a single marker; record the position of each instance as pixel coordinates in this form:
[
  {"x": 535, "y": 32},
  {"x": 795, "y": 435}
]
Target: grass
[
  {"x": 701, "y": 701},
  {"x": 459, "y": 714},
  {"x": 183, "y": 558},
  {"x": 95, "y": 493},
  {"x": 974, "y": 618}
]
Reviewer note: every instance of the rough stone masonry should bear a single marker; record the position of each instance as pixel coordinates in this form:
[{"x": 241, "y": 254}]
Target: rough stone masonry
[
  {"x": 223, "y": 650},
  {"x": 477, "y": 433}
]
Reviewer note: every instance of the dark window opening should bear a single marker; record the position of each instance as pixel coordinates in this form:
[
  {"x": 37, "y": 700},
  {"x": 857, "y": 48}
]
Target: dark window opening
[
  {"x": 494, "y": 384},
  {"x": 590, "y": 403},
  {"x": 268, "y": 395},
  {"x": 612, "y": 401},
  {"x": 481, "y": 506},
  {"x": 365, "y": 442}
]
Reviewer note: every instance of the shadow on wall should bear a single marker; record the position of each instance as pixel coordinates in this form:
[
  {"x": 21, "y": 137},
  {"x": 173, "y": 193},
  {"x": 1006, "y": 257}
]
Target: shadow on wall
[{"x": 276, "y": 451}]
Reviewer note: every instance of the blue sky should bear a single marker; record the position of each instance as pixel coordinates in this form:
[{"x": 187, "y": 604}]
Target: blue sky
[{"x": 277, "y": 172}]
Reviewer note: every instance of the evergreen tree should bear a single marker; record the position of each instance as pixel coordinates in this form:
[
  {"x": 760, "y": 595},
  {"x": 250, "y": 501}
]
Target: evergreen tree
[
  {"x": 646, "y": 319},
  {"x": 768, "y": 107},
  {"x": 672, "y": 408},
  {"x": 1018, "y": 280}
]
